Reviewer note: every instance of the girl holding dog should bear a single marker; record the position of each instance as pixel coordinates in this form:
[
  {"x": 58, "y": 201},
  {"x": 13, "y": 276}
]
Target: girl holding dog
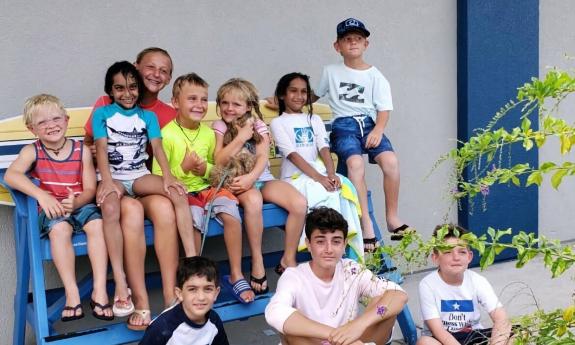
[{"x": 237, "y": 103}]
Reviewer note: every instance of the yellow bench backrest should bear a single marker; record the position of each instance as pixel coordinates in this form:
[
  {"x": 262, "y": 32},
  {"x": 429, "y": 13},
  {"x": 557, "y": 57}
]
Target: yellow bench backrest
[{"x": 13, "y": 129}]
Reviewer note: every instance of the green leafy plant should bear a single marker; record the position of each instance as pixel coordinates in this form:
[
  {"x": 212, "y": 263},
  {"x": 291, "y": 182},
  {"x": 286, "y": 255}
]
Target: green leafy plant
[
  {"x": 486, "y": 153},
  {"x": 486, "y": 157}
]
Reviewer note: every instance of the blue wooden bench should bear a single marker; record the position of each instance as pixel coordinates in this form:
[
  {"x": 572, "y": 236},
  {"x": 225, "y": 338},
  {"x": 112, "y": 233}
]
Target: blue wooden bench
[{"x": 41, "y": 307}]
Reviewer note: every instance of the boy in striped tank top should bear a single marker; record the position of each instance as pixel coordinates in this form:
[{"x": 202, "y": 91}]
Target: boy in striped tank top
[{"x": 65, "y": 197}]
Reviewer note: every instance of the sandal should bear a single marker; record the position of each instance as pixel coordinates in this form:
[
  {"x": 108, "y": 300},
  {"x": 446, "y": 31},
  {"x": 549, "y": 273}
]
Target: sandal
[
  {"x": 144, "y": 314},
  {"x": 94, "y": 305},
  {"x": 122, "y": 308},
  {"x": 397, "y": 233},
  {"x": 75, "y": 316},
  {"x": 280, "y": 269},
  {"x": 237, "y": 288},
  {"x": 372, "y": 243},
  {"x": 261, "y": 282}
]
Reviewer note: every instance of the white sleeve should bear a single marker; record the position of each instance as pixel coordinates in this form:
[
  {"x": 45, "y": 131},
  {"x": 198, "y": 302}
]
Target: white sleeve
[
  {"x": 280, "y": 307},
  {"x": 319, "y": 131},
  {"x": 382, "y": 94},
  {"x": 427, "y": 302},
  {"x": 323, "y": 86},
  {"x": 372, "y": 286},
  {"x": 486, "y": 296},
  {"x": 281, "y": 137}
]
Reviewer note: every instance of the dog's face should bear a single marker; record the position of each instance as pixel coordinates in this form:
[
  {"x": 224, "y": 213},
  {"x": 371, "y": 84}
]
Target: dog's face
[{"x": 240, "y": 122}]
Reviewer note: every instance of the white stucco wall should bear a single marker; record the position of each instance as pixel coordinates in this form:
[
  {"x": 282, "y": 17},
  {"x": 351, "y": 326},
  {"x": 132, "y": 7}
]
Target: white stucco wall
[
  {"x": 556, "y": 42},
  {"x": 65, "y": 49}
]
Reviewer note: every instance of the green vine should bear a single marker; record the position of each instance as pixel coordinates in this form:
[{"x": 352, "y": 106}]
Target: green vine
[
  {"x": 412, "y": 251},
  {"x": 484, "y": 161},
  {"x": 556, "y": 327},
  {"x": 483, "y": 153}
]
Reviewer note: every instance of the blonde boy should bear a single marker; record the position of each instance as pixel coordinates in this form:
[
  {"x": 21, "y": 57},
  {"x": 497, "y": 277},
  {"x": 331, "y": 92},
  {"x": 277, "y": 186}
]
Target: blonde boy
[
  {"x": 451, "y": 296},
  {"x": 360, "y": 98},
  {"x": 189, "y": 145},
  {"x": 67, "y": 188}
]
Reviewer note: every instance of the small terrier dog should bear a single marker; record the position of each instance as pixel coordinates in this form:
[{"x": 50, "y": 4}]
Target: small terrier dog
[{"x": 244, "y": 161}]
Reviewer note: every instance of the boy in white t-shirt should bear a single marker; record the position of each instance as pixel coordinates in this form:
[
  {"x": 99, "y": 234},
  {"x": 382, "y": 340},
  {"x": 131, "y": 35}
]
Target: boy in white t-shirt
[
  {"x": 450, "y": 298},
  {"x": 317, "y": 302},
  {"x": 360, "y": 99}
]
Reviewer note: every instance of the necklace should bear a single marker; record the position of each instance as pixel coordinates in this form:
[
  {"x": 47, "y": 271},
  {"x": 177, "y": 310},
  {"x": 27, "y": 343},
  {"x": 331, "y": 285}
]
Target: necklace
[
  {"x": 184, "y": 132},
  {"x": 56, "y": 150}
]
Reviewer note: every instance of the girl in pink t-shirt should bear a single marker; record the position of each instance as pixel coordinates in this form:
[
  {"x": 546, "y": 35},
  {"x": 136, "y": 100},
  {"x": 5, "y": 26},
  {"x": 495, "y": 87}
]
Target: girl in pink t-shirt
[{"x": 235, "y": 98}]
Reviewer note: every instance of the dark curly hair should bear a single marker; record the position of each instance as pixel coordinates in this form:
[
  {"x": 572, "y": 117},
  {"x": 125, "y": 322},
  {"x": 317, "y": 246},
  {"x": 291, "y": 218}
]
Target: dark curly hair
[
  {"x": 196, "y": 266},
  {"x": 325, "y": 220}
]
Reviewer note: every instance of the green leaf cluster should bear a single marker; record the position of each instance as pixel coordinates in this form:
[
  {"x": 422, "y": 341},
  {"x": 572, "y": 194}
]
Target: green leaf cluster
[{"x": 483, "y": 154}]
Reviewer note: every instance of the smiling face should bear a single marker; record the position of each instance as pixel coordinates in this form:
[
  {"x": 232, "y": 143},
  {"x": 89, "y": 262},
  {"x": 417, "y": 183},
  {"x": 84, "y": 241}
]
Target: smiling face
[
  {"x": 191, "y": 104},
  {"x": 156, "y": 71},
  {"x": 125, "y": 90},
  {"x": 352, "y": 45},
  {"x": 49, "y": 124},
  {"x": 326, "y": 249},
  {"x": 197, "y": 296},
  {"x": 296, "y": 96},
  {"x": 453, "y": 262},
  {"x": 232, "y": 106}
]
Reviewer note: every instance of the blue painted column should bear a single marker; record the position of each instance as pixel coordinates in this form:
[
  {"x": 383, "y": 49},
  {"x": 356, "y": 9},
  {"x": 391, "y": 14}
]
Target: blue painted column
[{"x": 497, "y": 51}]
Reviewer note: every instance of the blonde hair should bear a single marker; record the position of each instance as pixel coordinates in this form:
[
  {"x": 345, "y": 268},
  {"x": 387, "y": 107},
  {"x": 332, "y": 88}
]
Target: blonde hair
[
  {"x": 33, "y": 103},
  {"x": 151, "y": 50},
  {"x": 190, "y": 78},
  {"x": 248, "y": 92},
  {"x": 245, "y": 89}
]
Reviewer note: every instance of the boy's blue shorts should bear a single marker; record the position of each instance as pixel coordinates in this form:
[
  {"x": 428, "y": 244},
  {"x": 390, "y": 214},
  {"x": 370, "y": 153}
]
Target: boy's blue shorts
[
  {"x": 77, "y": 219},
  {"x": 348, "y": 137}
]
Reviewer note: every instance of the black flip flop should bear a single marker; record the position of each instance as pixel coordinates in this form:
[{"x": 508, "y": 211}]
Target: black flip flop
[
  {"x": 279, "y": 269},
  {"x": 75, "y": 316},
  {"x": 94, "y": 305},
  {"x": 372, "y": 242},
  {"x": 397, "y": 233},
  {"x": 261, "y": 282}
]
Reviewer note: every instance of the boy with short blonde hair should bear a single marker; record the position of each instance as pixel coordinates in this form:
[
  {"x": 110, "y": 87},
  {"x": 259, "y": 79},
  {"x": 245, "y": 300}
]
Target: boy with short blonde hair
[
  {"x": 360, "y": 99},
  {"x": 65, "y": 195},
  {"x": 189, "y": 145},
  {"x": 451, "y": 296}
]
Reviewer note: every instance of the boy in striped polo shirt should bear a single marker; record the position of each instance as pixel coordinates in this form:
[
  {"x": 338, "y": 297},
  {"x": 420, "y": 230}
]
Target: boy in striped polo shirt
[{"x": 65, "y": 197}]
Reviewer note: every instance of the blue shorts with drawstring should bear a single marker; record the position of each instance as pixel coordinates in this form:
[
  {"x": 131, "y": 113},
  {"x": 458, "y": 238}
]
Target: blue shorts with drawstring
[{"x": 348, "y": 137}]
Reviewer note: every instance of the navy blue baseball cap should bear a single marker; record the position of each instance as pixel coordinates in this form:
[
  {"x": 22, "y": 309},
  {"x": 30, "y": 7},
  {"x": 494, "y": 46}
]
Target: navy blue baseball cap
[{"x": 351, "y": 24}]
